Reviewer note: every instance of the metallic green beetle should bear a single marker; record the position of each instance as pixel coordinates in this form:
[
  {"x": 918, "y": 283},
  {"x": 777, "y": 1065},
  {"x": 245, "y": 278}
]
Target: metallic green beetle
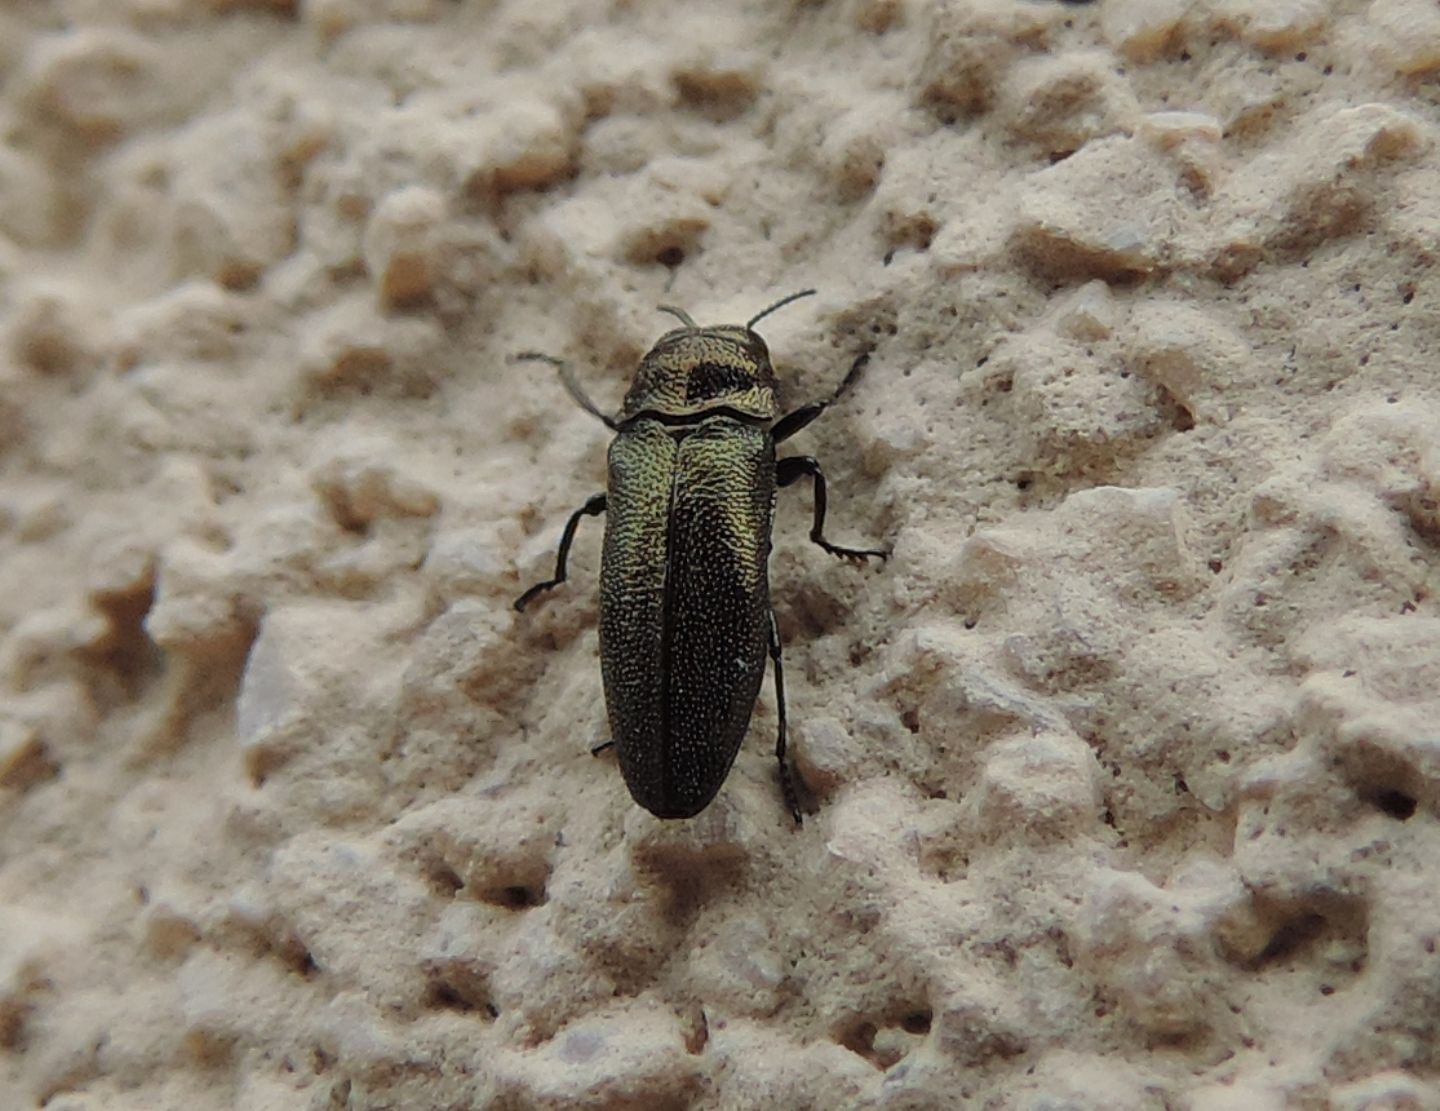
[{"x": 685, "y": 617}]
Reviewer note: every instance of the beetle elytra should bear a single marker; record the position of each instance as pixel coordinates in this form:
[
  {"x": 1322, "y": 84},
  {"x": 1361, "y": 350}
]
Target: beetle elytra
[{"x": 685, "y": 615}]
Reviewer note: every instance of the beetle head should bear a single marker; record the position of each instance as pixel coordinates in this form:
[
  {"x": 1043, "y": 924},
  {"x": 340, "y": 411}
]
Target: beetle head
[{"x": 692, "y": 370}]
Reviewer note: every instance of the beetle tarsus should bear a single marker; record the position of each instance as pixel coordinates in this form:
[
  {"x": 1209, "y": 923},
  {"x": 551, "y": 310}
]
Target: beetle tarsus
[
  {"x": 791, "y": 470},
  {"x": 857, "y": 556},
  {"x": 592, "y": 508},
  {"x": 787, "y": 776}
]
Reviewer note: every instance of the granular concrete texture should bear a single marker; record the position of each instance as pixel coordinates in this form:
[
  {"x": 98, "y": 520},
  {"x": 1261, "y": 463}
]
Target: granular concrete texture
[{"x": 1123, "y": 774}]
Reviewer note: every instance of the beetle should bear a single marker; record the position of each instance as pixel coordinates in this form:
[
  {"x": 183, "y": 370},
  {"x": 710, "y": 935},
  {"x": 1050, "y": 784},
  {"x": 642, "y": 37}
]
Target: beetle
[{"x": 685, "y": 614}]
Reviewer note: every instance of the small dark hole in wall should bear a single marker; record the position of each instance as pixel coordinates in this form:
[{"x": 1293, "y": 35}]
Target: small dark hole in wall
[
  {"x": 859, "y": 1039},
  {"x": 512, "y": 896},
  {"x": 519, "y": 898},
  {"x": 459, "y": 989},
  {"x": 1292, "y": 935},
  {"x": 443, "y": 878},
  {"x": 671, "y": 257},
  {"x": 444, "y": 997},
  {"x": 1397, "y": 804},
  {"x": 697, "y": 1033}
]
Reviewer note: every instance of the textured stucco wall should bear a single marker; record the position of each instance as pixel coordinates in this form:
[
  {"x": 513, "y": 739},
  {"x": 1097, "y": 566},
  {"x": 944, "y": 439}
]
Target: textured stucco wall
[{"x": 1124, "y": 771}]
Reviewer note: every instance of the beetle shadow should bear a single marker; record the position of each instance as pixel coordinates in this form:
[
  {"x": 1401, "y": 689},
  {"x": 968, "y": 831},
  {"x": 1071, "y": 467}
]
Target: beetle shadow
[{"x": 688, "y": 876}]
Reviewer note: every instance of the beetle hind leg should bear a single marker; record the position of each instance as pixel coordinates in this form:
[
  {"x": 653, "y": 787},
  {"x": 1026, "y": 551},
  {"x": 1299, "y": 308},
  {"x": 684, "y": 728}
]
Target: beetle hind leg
[
  {"x": 592, "y": 508},
  {"x": 787, "y": 776},
  {"x": 792, "y": 469}
]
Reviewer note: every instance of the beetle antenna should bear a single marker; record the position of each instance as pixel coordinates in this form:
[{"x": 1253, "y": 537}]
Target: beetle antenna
[
  {"x": 571, "y": 384},
  {"x": 681, "y": 315},
  {"x": 780, "y": 304}
]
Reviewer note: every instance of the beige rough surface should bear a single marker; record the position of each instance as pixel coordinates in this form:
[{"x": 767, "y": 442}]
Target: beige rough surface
[{"x": 1125, "y": 770}]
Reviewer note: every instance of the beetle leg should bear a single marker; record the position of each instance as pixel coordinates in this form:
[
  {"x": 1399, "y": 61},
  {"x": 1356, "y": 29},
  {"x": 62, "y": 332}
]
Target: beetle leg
[
  {"x": 571, "y": 383},
  {"x": 793, "y": 422},
  {"x": 796, "y": 467},
  {"x": 592, "y": 508},
  {"x": 604, "y": 746},
  {"x": 787, "y": 780}
]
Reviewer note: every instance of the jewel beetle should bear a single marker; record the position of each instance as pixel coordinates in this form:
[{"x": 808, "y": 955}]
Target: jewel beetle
[{"x": 685, "y": 616}]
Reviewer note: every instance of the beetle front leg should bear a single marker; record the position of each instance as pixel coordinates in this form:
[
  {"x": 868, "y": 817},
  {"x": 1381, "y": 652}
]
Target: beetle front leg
[
  {"x": 592, "y": 508},
  {"x": 571, "y": 383},
  {"x": 793, "y": 422},
  {"x": 796, "y": 467},
  {"x": 787, "y": 779}
]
